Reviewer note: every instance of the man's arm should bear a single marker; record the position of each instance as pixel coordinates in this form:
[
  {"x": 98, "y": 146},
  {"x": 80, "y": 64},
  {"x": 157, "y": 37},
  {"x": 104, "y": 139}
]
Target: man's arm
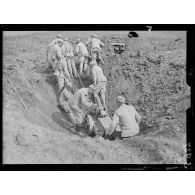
[
  {"x": 88, "y": 41},
  {"x": 101, "y": 43},
  {"x": 77, "y": 48},
  {"x": 137, "y": 117},
  {"x": 94, "y": 76}
]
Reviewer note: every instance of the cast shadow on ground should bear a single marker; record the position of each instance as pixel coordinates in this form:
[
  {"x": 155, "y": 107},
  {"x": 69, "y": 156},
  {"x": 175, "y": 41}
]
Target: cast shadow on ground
[{"x": 64, "y": 122}]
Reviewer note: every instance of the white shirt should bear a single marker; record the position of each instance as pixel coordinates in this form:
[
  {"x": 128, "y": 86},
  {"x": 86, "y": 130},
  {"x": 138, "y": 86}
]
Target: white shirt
[
  {"x": 128, "y": 119},
  {"x": 67, "y": 48},
  {"x": 98, "y": 74},
  {"x": 95, "y": 43},
  {"x": 82, "y": 49},
  {"x": 56, "y": 52}
]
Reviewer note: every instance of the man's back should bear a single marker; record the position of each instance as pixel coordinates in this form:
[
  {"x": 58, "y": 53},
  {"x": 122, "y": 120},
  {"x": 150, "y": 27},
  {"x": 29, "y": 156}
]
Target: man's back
[
  {"x": 56, "y": 52},
  {"x": 98, "y": 74},
  {"x": 82, "y": 48},
  {"x": 127, "y": 119},
  {"x": 96, "y": 43}
]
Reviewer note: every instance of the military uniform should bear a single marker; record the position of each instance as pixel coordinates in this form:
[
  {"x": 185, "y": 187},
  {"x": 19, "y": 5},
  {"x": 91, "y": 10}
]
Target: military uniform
[{"x": 83, "y": 56}]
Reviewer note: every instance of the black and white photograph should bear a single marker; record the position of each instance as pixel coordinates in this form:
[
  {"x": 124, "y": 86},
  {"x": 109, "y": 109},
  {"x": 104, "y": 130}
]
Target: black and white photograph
[{"x": 109, "y": 97}]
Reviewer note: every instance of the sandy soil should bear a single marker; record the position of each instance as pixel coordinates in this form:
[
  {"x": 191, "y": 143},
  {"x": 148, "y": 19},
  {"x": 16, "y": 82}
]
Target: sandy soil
[{"x": 150, "y": 74}]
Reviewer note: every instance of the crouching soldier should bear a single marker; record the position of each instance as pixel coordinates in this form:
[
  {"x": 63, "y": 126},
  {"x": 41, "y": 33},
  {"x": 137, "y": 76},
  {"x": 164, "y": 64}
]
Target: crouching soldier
[
  {"x": 84, "y": 100},
  {"x": 125, "y": 121},
  {"x": 66, "y": 101}
]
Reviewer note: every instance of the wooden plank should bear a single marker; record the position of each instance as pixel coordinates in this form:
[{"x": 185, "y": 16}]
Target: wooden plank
[{"x": 105, "y": 122}]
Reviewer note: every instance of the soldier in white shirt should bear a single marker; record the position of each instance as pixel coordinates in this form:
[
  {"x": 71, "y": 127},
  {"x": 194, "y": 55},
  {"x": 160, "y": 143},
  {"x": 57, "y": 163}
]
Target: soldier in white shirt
[
  {"x": 99, "y": 81},
  {"x": 125, "y": 121},
  {"x": 58, "y": 63},
  {"x": 69, "y": 55},
  {"x": 96, "y": 50},
  {"x": 82, "y": 51}
]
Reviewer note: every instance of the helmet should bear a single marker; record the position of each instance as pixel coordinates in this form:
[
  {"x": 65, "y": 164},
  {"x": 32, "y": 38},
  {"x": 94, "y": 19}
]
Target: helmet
[
  {"x": 120, "y": 99},
  {"x": 59, "y": 36},
  {"x": 78, "y": 40},
  {"x": 95, "y": 36}
]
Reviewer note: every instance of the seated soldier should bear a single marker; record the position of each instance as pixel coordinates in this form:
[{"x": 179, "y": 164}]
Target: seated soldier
[{"x": 125, "y": 121}]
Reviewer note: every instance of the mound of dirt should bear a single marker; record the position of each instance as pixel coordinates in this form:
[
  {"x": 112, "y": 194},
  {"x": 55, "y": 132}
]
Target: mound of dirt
[{"x": 151, "y": 74}]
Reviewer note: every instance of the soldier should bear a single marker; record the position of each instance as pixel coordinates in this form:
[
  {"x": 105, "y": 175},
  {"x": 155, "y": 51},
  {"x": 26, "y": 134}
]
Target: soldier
[
  {"x": 82, "y": 51},
  {"x": 96, "y": 48},
  {"x": 125, "y": 121},
  {"x": 66, "y": 101},
  {"x": 58, "y": 63},
  {"x": 99, "y": 81},
  {"x": 69, "y": 55}
]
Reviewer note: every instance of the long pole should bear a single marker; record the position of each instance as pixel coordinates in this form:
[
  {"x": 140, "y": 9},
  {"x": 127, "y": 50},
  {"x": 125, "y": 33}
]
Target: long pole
[{"x": 15, "y": 90}]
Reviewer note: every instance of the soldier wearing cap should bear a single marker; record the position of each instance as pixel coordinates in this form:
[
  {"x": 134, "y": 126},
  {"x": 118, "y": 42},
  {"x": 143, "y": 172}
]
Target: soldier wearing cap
[
  {"x": 58, "y": 37},
  {"x": 67, "y": 51},
  {"x": 125, "y": 121},
  {"x": 96, "y": 50},
  {"x": 82, "y": 51}
]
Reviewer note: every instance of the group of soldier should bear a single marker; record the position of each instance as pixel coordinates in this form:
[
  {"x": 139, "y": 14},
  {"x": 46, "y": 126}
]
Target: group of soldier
[{"x": 81, "y": 104}]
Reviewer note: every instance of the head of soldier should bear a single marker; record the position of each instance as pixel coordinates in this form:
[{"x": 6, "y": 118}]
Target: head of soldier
[
  {"x": 66, "y": 39},
  {"x": 78, "y": 41},
  {"x": 59, "y": 36},
  {"x": 60, "y": 43},
  {"x": 120, "y": 100},
  {"x": 94, "y": 36}
]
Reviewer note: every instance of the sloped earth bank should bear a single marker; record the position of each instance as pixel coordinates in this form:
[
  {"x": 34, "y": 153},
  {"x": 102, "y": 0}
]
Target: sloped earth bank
[{"x": 151, "y": 74}]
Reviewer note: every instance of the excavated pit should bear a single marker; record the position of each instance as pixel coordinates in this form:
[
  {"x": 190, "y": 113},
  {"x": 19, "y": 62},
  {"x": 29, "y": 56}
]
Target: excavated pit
[{"x": 151, "y": 74}]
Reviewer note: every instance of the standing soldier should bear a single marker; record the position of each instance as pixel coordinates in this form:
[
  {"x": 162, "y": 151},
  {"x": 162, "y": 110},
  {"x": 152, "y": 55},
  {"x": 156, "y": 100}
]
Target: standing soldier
[
  {"x": 99, "y": 81},
  {"x": 82, "y": 51},
  {"x": 49, "y": 49},
  {"x": 96, "y": 48},
  {"x": 59, "y": 64},
  {"x": 69, "y": 55}
]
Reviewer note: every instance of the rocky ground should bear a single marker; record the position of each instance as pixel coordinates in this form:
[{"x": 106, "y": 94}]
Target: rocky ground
[{"x": 151, "y": 74}]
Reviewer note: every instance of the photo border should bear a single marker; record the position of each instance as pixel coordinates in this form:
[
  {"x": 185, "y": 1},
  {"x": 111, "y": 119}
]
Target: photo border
[{"x": 190, "y": 29}]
